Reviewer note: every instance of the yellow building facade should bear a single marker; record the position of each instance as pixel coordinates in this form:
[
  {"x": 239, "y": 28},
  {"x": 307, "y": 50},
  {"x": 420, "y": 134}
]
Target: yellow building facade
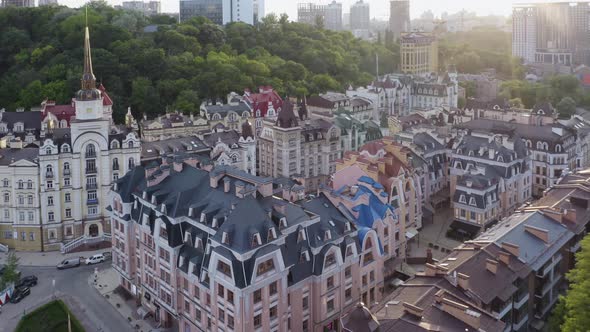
[{"x": 419, "y": 53}]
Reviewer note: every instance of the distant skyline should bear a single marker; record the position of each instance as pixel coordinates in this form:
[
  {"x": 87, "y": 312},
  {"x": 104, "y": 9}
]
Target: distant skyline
[{"x": 379, "y": 8}]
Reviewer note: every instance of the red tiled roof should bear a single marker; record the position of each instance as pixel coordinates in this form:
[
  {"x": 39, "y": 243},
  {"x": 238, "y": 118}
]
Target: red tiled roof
[
  {"x": 61, "y": 112},
  {"x": 259, "y": 101},
  {"x": 106, "y": 100}
]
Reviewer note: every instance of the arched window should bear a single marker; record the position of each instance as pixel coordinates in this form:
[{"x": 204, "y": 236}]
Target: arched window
[
  {"x": 114, "y": 144},
  {"x": 5, "y": 183},
  {"x": 234, "y": 158},
  {"x": 539, "y": 146},
  {"x": 558, "y": 148},
  {"x": 63, "y": 124},
  {"x": 130, "y": 144},
  {"x": 131, "y": 163},
  {"x": 115, "y": 164},
  {"x": 49, "y": 168},
  {"x": 90, "y": 151},
  {"x": 545, "y": 146},
  {"x": 257, "y": 113},
  {"x": 65, "y": 148},
  {"x": 48, "y": 151}
]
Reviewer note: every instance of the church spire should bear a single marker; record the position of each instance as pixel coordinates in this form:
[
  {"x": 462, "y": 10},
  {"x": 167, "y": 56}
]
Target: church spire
[{"x": 88, "y": 89}]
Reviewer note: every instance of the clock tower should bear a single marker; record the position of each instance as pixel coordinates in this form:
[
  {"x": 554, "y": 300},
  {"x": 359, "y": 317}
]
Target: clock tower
[{"x": 89, "y": 104}]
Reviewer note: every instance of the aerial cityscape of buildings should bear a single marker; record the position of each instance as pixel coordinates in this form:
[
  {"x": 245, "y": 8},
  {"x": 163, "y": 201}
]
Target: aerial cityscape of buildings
[{"x": 398, "y": 205}]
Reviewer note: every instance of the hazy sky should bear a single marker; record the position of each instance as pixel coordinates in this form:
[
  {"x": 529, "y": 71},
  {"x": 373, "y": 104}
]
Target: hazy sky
[{"x": 379, "y": 8}]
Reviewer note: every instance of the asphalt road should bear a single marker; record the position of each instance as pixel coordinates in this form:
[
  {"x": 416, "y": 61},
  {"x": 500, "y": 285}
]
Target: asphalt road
[{"x": 92, "y": 310}]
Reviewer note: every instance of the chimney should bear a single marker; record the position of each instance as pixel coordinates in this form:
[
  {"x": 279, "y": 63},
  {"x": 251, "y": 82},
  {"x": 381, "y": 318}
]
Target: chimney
[
  {"x": 429, "y": 256},
  {"x": 555, "y": 215},
  {"x": 226, "y": 184},
  {"x": 178, "y": 164},
  {"x": 492, "y": 153},
  {"x": 240, "y": 188},
  {"x": 511, "y": 248},
  {"x": 504, "y": 257},
  {"x": 413, "y": 310},
  {"x": 462, "y": 313},
  {"x": 492, "y": 265},
  {"x": 540, "y": 233},
  {"x": 463, "y": 281},
  {"x": 569, "y": 215},
  {"x": 430, "y": 270}
]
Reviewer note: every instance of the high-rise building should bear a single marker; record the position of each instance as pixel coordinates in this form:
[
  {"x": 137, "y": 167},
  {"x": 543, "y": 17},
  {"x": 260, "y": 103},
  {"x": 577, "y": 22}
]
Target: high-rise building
[
  {"x": 146, "y": 8},
  {"x": 399, "y": 17},
  {"x": 211, "y": 9},
  {"x": 553, "y": 35},
  {"x": 18, "y": 3},
  {"x": 223, "y": 11},
  {"x": 333, "y": 19},
  {"x": 48, "y": 3},
  {"x": 329, "y": 15},
  {"x": 360, "y": 16},
  {"x": 419, "y": 53}
]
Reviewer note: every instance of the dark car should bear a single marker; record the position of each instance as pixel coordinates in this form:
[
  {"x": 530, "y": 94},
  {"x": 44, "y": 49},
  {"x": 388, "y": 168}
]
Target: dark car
[
  {"x": 28, "y": 281},
  {"x": 20, "y": 294}
]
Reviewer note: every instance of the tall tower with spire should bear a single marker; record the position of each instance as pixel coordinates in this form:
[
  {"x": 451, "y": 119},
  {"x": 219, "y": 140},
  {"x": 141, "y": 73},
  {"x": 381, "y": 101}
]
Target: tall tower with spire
[{"x": 89, "y": 104}]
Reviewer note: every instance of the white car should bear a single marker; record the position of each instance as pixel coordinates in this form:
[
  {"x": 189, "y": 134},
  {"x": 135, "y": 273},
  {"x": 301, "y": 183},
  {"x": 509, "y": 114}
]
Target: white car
[{"x": 95, "y": 259}]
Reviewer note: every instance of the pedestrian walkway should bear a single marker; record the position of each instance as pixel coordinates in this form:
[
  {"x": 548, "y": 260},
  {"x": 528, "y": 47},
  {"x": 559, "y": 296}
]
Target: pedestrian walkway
[
  {"x": 48, "y": 258},
  {"x": 106, "y": 282},
  {"x": 433, "y": 236}
]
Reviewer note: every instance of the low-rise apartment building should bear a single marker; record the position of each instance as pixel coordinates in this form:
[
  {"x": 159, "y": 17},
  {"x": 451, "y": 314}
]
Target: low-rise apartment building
[{"x": 222, "y": 250}]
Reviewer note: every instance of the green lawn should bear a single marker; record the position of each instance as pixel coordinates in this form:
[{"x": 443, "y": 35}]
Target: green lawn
[{"x": 51, "y": 317}]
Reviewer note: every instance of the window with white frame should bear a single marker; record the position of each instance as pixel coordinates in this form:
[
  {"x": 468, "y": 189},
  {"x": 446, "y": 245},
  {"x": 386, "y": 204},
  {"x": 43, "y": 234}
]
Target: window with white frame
[{"x": 51, "y": 216}]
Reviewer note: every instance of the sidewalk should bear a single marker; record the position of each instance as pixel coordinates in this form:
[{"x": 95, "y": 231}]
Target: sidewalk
[
  {"x": 106, "y": 282},
  {"x": 48, "y": 258}
]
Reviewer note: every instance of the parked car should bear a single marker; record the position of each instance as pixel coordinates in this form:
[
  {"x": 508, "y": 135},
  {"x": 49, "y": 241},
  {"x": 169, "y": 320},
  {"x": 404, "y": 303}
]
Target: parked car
[
  {"x": 68, "y": 263},
  {"x": 95, "y": 259},
  {"x": 20, "y": 294},
  {"x": 28, "y": 281}
]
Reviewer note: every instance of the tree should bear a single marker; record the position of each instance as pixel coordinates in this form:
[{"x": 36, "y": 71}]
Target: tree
[
  {"x": 461, "y": 102},
  {"x": 573, "y": 307},
  {"x": 566, "y": 107},
  {"x": 10, "y": 274},
  {"x": 319, "y": 22}
]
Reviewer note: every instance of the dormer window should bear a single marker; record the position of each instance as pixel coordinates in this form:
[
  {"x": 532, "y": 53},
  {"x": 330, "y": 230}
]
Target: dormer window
[
  {"x": 272, "y": 234},
  {"x": 48, "y": 151},
  {"x": 304, "y": 256},
  {"x": 224, "y": 268},
  {"x": 65, "y": 148},
  {"x": 327, "y": 235},
  {"x": 187, "y": 237},
  {"x": 225, "y": 238},
  {"x": 347, "y": 226},
  {"x": 203, "y": 217},
  {"x": 472, "y": 201},
  {"x": 198, "y": 243},
  {"x": 256, "y": 240},
  {"x": 330, "y": 260},
  {"x": 283, "y": 222},
  {"x": 500, "y": 159},
  {"x": 214, "y": 223},
  {"x": 114, "y": 144},
  {"x": 349, "y": 250},
  {"x": 301, "y": 236},
  {"x": 265, "y": 267},
  {"x": 462, "y": 199}
]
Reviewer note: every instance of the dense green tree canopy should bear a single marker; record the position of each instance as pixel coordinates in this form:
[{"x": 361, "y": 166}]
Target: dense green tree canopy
[{"x": 178, "y": 65}]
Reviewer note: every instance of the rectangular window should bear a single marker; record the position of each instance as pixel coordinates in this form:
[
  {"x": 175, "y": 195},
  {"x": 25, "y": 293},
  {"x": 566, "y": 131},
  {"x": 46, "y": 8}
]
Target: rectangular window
[
  {"x": 68, "y": 213},
  {"x": 68, "y": 197},
  {"x": 257, "y": 320},
  {"x": 196, "y": 292},
  {"x": 21, "y": 216},
  {"x": 49, "y": 184},
  {"x": 221, "y": 316},
  {"x": 224, "y": 268},
  {"x": 305, "y": 326},
  {"x": 230, "y": 321},
  {"x": 197, "y": 315},
  {"x": 330, "y": 305},
  {"x": 30, "y": 200},
  {"x": 50, "y": 200},
  {"x": 257, "y": 296},
  {"x": 23, "y": 236},
  {"x": 220, "y": 291},
  {"x": 272, "y": 313},
  {"x": 6, "y": 214},
  {"x": 31, "y": 215},
  {"x": 264, "y": 267},
  {"x": 31, "y": 236},
  {"x": 230, "y": 296},
  {"x": 305, "y": 302},
  {"x": 92, "y": 210},
  {"x": 272, "y": 288},
  {"x": 67, "y": 182},
  {"x": 348, "y": 294},
  {"x": 330, "y": 282},
  {"x": 187, "y": 306},
  {"x": 164, "y": 254}
]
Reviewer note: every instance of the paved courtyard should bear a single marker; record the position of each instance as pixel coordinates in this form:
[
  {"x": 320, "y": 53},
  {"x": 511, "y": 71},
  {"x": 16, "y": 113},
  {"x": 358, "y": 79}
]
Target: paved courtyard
[{"x": 433, "y": 236}]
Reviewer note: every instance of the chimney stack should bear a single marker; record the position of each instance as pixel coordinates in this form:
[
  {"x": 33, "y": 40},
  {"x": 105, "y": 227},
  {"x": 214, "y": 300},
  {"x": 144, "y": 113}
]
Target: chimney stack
[
  {"x": 463, "y": 281},
  {"x": 226, "y": 184},
  {"x": 504, "y": 257},
  {"x": 413, "y": 310},
  {"x": 540, "y": 233},
  {"x": 462, "y": 313},
  {"x": 492, "y": 265},
  {"x": 511, "y": 248}
]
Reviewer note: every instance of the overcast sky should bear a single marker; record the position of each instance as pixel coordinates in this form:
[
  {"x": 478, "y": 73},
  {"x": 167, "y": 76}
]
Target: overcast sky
[{"x": 379, "y": 8}]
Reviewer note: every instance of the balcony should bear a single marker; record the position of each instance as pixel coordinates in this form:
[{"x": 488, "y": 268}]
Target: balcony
[
  {"x": 521, "y": 323},
  {"x": 91, "y": 171},
  {"x": 92, "y": 201},
  {"x": 522, "y": 301},
  {"x": 91, "y": 186},
  {"x": 49, "y": 175},
  {"x": 503, "y": 311}
]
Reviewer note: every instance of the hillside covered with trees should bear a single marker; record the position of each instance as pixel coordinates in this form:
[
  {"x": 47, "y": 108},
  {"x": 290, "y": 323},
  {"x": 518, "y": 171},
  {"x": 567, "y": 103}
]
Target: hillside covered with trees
[{"x": 177, "y": 66}]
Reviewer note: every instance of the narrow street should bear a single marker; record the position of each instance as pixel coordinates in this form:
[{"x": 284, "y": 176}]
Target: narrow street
[{"x": 85, "y": 302}]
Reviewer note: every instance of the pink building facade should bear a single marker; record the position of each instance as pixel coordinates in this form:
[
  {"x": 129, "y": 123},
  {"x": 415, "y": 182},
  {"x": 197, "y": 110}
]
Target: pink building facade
[{"x": 224, "y": 250}]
